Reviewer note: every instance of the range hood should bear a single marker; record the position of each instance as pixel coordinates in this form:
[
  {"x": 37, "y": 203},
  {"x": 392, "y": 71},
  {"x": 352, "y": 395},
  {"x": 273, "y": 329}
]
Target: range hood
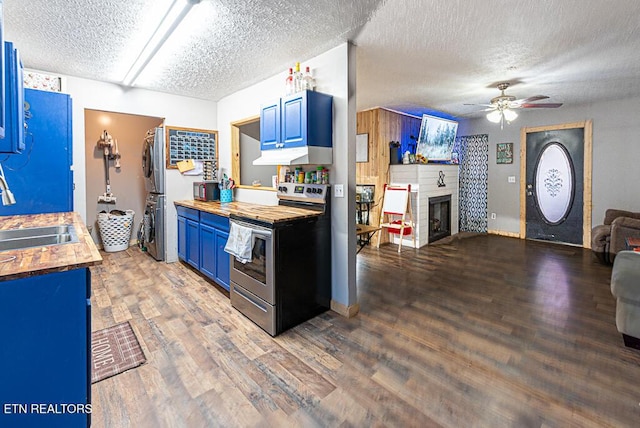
[{"x": 296, "y": 156}]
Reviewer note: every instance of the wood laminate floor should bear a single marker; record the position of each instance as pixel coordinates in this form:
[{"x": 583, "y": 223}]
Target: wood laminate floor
[{"x": 486, "y": 331}]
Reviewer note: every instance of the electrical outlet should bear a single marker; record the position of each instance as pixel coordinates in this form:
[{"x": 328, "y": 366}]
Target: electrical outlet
[
  {"x": 493, "y": 216},
  {"x": 512, "y": 179},
  {"x": 338, "y": 191}
]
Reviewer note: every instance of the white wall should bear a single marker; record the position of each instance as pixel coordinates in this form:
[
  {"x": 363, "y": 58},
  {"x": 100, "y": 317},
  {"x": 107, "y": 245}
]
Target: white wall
[
  {"x": 334, "y": 72},
  {"x": 177, "y": 111},
  {"x": 616, "y": 151}
]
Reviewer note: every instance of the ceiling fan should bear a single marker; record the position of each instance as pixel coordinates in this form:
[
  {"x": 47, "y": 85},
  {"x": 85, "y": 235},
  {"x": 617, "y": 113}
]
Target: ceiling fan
[{"x": 501, "y": 107}]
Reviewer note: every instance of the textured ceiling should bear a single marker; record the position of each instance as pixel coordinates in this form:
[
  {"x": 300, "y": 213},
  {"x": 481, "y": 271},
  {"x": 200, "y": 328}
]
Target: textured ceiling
[
  {"x": 221, "y": 46},
  {"x": 412, "y": 55}
]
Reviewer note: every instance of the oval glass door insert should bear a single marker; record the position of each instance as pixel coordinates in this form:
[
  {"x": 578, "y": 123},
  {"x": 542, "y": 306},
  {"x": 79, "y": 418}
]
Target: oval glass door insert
[{"x": 554, "y": 178}]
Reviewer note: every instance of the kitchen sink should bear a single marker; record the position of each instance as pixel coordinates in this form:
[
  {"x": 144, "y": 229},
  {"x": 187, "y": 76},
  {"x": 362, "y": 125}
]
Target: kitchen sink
[{"x": 16, "y": 239}]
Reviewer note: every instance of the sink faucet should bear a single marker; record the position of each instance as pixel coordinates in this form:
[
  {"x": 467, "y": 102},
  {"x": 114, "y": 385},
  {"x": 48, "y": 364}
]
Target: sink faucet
[{"x": 7, "y": 196}]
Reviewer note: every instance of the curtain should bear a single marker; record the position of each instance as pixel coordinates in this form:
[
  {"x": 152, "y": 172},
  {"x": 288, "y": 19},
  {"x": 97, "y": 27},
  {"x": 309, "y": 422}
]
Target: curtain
[{"x": 473, "y": 153}]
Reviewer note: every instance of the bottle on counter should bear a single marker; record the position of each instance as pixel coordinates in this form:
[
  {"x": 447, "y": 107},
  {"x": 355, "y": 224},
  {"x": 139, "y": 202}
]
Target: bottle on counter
[
  {"x": 289, "y": 86},
  {"x": 309, "y": 82}
]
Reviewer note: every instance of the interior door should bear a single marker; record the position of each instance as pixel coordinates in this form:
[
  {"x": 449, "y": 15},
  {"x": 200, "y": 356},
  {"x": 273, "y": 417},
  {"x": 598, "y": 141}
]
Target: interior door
[{"x": 556, "y": 192}]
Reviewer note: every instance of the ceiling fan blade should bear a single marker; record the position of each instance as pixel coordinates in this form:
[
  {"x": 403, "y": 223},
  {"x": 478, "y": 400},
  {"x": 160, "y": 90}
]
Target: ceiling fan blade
[
  {"x": 541, "y": 105},
  {"x": 481, "y": 105},
  {"x": 530, "y": 99}
]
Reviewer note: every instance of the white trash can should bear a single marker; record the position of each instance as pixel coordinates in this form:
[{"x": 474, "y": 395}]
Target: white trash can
[{"x": 115, "y": 230}]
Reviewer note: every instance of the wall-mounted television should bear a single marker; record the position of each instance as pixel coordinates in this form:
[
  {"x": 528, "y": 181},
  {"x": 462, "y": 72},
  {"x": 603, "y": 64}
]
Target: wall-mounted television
[{"x": 436, "y": 139}]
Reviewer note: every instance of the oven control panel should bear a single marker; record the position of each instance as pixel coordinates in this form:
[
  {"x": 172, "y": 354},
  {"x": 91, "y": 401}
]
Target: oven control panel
[{"x": 315, "y": 192}]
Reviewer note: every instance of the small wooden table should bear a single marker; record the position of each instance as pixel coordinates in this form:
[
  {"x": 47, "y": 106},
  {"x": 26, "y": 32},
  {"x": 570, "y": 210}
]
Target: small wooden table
[{"x": 364, "y": 233}]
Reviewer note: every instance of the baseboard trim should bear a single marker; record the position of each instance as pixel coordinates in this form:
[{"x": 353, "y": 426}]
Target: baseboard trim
[
  {"x": 346, "y": 311},
  {"x": 503, "y": 233}
]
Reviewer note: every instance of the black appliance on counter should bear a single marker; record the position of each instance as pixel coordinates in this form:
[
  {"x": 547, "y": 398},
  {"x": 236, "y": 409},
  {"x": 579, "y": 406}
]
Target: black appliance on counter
[
  {"x": 288, "y": 280},
  {"x": 206, "y": 191}
]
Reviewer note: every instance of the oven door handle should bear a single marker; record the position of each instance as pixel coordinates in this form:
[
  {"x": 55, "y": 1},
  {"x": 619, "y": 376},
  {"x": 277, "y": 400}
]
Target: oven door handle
[{"x": 255, "y": 230}]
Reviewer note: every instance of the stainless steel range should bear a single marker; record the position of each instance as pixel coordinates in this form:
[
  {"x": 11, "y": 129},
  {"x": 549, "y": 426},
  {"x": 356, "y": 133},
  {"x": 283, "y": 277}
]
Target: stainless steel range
[{"x": 288, "y": 279}]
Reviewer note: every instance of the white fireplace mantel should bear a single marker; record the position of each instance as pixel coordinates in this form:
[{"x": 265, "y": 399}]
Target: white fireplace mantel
[{"x": 426, "y": 182}]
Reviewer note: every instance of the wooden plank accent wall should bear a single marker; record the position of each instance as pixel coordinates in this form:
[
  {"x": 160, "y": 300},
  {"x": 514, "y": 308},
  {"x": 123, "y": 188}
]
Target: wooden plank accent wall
[{"x": 383, "y": 126}]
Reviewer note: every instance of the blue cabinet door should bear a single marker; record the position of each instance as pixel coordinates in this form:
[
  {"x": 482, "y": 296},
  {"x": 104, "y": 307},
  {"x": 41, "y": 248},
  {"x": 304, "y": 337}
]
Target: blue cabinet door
[
  {"x": 193, "y": 243},
  {"x": 13, "y": 102},
  {"x": 182, "y": 238},
  {"x": 45, "y": 352},
  {"x": 208, "y": 251},
  {"x": 294, "y": 120},
  {"x": 270, "y": 125},
  {"x": 222, "y": 259},
  {"x": 41, "y": 178},
  {"x": 214, "y": 261},
  {"x": 2, "y": 76}
]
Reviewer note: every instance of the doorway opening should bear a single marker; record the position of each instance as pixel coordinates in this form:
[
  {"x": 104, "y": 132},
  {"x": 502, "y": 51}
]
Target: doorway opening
[
  {"x": 127, "y": 181},
  {"x": 245, "y": 148}
]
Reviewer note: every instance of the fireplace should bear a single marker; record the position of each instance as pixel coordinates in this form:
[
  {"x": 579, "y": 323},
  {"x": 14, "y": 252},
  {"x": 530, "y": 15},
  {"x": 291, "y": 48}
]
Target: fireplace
[{"x": 439, "y": 217}]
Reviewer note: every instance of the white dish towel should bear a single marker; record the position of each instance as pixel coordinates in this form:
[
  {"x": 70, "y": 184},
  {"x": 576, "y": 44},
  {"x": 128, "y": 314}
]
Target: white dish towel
[{"x": 240, "y": 242}]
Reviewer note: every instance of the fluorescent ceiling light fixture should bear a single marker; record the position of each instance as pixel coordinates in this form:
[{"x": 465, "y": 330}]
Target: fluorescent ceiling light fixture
[{"x": 173, "y": 17}]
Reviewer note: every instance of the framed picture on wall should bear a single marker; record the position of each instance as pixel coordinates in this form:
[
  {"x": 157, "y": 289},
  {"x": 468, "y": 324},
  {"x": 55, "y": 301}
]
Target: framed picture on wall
[{"x": 504, "y": 153}]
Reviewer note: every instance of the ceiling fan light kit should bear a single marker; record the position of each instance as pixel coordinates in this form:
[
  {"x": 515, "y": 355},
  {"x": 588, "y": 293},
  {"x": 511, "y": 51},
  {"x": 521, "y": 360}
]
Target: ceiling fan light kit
[
  {"x": 495, "y": 116},
  {"x": 509, "y": 115},
  {"x": 501, "y": 108}
]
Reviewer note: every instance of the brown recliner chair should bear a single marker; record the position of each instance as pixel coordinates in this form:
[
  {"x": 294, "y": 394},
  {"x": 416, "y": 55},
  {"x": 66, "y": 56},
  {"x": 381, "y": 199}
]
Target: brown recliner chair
[{"x": 608, "y": 239}]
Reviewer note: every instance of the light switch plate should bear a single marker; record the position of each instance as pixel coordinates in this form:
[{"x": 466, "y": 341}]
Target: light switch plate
[
  {"x": 338, "y": 191},
  {"x": 512, "y": 179}
]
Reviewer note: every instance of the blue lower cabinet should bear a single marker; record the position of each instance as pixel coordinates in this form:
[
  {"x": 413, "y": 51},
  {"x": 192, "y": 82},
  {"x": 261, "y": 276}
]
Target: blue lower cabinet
[
  {"x": 188, "y": 236},
  {"x": 201, "y": 243},
  {"x": 182, "y": 238},
  {"x": 207, "y": 251},
  {"x": 193, "y": 243},
  {"x": 45, "y": 323}
]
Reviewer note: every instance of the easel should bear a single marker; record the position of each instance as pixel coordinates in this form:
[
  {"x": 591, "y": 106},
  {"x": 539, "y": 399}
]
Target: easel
[{"x": 396, "y": 203}]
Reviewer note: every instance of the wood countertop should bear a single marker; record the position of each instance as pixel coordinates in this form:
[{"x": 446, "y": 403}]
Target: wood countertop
[
  {"x": 266, "y": 213},
  {"x": 53, "y": 258}
]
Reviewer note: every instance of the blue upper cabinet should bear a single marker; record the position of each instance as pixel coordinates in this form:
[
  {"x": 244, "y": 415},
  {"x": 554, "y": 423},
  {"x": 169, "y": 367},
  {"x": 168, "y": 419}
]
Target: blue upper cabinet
[
  {"x": 41, "y": 178},
  {"x": 270, "y": 125},
  {"x": 302, "y": 119},
  {"x": 13, "y": 105},
  {"x": 2, "y": 84}
]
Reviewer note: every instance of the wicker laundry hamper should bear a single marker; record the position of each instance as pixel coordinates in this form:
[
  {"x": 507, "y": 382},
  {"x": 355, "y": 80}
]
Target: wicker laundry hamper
[{"x": 115, "y": 229}]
